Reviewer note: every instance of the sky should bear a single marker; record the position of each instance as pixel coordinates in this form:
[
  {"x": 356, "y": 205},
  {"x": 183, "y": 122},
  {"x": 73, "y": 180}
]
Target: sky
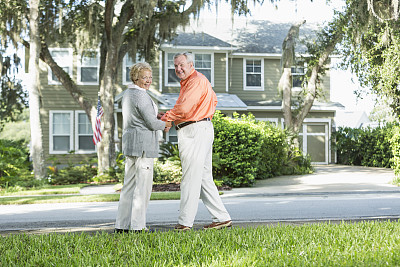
[{"x": 218, "y": 22}]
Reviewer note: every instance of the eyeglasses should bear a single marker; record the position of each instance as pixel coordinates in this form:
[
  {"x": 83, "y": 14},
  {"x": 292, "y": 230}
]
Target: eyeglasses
[{"x": 146, "y": 78}]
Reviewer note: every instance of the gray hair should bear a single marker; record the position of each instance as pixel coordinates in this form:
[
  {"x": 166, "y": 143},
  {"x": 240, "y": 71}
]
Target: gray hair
[
  {"x": 188, "y": 55},
  {"x": 137, "y": 68}
]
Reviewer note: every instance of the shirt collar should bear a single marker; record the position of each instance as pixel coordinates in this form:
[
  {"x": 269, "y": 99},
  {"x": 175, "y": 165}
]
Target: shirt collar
[{"x": 134, "y": 86}]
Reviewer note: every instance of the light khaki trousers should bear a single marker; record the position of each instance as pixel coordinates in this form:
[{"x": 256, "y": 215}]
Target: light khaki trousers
[
  {"x": 195, "y": 150},
  {"x": 135, "y": 194}
]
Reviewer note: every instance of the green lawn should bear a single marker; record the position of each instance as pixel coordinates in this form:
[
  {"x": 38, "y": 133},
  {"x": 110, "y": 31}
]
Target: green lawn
[
  {"x": 345, "y": 244},
  {"x": 45, "y": 190},
  {"x": 18, "y": 200}
]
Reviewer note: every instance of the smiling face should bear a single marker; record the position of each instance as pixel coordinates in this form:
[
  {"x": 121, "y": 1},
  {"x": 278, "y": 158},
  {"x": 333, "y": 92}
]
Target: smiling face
[
  {"x": 183, "y": 68},
  {"x": 145, "y": 79}
]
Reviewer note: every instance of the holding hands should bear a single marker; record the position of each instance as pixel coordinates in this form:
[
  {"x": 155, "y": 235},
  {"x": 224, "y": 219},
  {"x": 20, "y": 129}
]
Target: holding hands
[
  {"x": 160, "y": 114},
  {"x": 168, "y": 125}
]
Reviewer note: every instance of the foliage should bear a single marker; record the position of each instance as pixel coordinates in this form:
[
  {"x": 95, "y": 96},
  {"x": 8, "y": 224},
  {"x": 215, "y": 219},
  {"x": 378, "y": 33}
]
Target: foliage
[
  {"x": 19, "y": 130},
  {"x": 14, "y": 163},
  {"x": 364, "y": 146},
  {"x": 169, "y": 171},
  {"x": 13, "y": 98},
  {"x": 85, "y": 172},
  {"x": 370, "y": 243},
  {"x": 114, "y": 174},
  {"x": 371, "y": 47},
  {"x": 244, "y": 150},
  {"x": 71, "y": 174},
  {"x": 395, "y": 151},
  {"x": 250, "y": 150}
]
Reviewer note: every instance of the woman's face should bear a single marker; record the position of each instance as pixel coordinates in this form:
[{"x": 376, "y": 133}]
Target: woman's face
[{"x": 145, "y": 79}]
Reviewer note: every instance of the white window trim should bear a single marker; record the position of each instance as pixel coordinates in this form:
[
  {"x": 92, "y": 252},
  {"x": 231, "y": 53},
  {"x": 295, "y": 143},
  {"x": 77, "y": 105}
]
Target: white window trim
[
  {"x": 71, "y": 131},
  {"x": 212, "y": 66},
  {"x": 69, "y": 65},
  {"x": 124, "y": 82},
  {"x": 79, "y": 66},
  {"x": 166, "y": 71},
  {"x": 194, "y": 56},
  {"x": 167, "y": 137},
  {"x": 298, "y": 89},
  {"x": 253, "y": 88},
  {"x": 303, "y": 134},
  {"x": 77, "y": 150}
]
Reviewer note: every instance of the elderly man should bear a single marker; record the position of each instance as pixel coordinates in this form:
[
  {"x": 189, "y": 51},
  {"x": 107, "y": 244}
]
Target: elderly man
[{"x": 192, "y": 116}]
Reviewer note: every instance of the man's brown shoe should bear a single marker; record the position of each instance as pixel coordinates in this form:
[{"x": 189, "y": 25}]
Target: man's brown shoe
[
  {"x": 218, "y": 225},
  {"x": 180, "y": 227}
]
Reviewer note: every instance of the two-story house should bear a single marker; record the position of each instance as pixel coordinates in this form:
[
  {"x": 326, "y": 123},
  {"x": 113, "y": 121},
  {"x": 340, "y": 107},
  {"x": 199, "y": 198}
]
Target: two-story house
[{"x": 244, "y": 76}]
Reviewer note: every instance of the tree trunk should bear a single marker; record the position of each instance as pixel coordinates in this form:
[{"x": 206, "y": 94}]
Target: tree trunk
[
  {"x": 106, "y": 148},
  {"x": 285, "y": 82},
  {"x": 36, "y": 148}
]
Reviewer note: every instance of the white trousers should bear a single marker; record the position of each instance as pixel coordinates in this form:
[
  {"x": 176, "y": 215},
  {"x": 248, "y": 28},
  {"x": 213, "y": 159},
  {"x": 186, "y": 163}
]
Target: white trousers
[
  {"x": 135, "y": 194},
  {"x": 195, "y": 150}
]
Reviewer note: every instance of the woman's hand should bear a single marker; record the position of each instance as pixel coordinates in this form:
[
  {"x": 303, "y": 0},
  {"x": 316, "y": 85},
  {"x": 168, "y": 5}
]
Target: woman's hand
[{"x": 160, "y": 114}]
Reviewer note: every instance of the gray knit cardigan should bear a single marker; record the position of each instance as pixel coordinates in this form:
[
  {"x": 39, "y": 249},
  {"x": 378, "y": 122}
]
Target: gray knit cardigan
[{"x": 140, "y": 124}]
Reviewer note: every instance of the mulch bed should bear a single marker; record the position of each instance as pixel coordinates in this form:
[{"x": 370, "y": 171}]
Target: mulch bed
[{"x": 175, "y": 187}]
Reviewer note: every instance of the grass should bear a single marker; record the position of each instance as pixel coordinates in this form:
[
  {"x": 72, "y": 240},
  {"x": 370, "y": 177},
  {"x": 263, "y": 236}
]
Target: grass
[
  {"x": 45, "y": 190},
  {"x": 79, "y": 198},
  {"x": 345, "y": 244}
]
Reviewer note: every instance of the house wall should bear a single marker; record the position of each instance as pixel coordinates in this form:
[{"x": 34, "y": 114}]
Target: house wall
[
  {"x": 57, "y": 98},
  {"x": 220, "y": 72},
  {"x": 271, "y": 80}
]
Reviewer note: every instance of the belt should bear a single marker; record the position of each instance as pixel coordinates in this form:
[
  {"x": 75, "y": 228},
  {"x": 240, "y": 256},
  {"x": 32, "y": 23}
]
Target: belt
[{"x": 183, "y": 124}]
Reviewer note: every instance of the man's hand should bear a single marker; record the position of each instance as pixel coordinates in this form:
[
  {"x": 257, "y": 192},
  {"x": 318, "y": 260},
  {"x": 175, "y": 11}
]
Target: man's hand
[
  {"x": 160, "y": 114},
  {"x": 168, "y": 125}
]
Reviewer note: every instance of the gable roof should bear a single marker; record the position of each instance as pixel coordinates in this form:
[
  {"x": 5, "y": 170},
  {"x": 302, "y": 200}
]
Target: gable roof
[
  {"x": 256, "y": 37},
  {"x": 262, "y": 36},
  {"x": 197, "y": 40}
]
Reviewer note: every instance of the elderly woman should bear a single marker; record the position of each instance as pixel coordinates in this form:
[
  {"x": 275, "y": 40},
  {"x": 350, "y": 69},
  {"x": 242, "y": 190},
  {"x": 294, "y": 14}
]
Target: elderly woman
[{"x": 140, "y": 147}]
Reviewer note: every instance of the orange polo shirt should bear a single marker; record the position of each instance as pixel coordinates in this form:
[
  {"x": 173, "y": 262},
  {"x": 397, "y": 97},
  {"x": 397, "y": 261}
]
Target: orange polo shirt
[{"x": 196, "y": 100}]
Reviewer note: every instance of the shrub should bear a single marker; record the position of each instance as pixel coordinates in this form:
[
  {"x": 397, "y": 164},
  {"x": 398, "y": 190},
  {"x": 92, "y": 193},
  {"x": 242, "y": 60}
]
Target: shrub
[
  {"x": 15, "y": 168},
  {"x": 72, "y": 174},
  {"x": 395, "y": 149},
  {"x": 364, "y": 146},
  {"x": 250, "y": 149},
  {"x": 239, "y": 146},
  {"x": 169, "y": 171}
]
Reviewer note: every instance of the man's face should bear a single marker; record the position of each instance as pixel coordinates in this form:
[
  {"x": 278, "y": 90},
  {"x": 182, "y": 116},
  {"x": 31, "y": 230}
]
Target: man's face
[{"x": 182, "y": 67}]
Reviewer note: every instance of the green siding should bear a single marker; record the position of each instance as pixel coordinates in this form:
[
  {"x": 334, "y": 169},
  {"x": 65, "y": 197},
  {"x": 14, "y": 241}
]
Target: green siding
[
  {"x": 219, "y": 73},
  {"x": 271, "y": 79}
]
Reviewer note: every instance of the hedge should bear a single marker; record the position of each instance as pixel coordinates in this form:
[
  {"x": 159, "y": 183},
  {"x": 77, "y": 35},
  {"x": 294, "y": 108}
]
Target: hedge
[{"x": 369, "y": 147}]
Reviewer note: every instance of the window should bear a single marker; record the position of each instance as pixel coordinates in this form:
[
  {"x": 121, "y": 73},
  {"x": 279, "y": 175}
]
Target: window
[
  {"x": 171, "y": 78},
  {"x": 88, "y": 68},
  {"x": 126, "y": 68},
  {"x": 63, "y": 57},
  {"x": 83, "y": 133},
  {"x": 172, "y": 135},
  {"x": 253, "y": 77},
  {"x": 61, "y": 132},
  {"x": 298, "y": 73},
  {"x": 274, "y": 121},
  {"x": 203, "y": 63}
]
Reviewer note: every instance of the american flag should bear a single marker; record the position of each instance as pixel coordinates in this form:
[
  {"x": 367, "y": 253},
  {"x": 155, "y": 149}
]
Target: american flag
[{"x": 97, "y": 127}]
